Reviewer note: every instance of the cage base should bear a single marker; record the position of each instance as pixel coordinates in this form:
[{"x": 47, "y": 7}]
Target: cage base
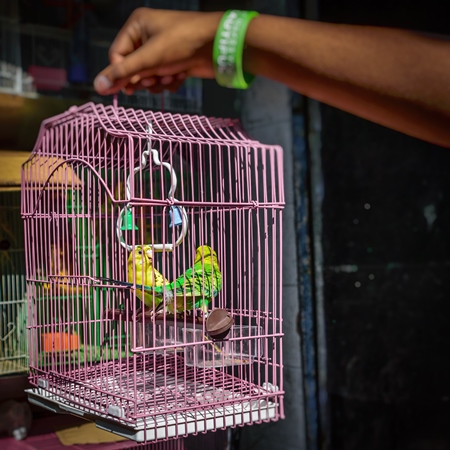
[
  {"x": 165, "y": 426},
  {"x": 12, "y": 368}
]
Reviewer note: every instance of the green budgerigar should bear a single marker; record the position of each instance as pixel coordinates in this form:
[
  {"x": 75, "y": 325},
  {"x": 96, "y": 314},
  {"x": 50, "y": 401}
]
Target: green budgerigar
[
  {"x": 140, "y": 264},
  {"x": 196, "y": 287}
]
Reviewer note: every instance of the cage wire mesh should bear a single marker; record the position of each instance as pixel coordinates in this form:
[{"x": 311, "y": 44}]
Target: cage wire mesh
[
  {"x": 13, "y": 304},
  {"x": 139, "y": 227}
]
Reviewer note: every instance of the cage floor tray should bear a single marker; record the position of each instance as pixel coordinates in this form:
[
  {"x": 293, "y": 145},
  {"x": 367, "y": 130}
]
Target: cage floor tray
[{"x": 171, "y": 401}]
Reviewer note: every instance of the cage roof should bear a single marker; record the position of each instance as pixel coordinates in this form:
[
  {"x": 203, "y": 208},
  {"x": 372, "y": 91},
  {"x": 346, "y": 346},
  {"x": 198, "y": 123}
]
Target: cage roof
[{"x": 118, "y": 121}]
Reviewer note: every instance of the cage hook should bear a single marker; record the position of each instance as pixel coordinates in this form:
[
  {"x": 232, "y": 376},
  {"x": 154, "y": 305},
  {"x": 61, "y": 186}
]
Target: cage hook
[{"x": 177, "y": 213}]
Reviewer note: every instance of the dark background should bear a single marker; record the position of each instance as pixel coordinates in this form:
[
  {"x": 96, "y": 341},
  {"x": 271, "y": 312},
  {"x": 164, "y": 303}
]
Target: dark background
[{"x": 386, "y": 222}]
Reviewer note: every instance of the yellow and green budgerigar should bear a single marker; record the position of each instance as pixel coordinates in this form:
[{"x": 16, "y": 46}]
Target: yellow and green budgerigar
[
  {"x": 140, "y": 264},
  {"x": 196, "y": 287}
]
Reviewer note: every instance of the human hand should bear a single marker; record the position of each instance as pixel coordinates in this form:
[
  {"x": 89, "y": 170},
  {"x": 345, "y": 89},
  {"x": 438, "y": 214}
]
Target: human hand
[{"x": 158, "y": 49}]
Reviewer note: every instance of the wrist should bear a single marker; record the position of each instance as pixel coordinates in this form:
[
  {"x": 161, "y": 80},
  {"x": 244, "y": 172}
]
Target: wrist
[{"x": 211, "y": 24}]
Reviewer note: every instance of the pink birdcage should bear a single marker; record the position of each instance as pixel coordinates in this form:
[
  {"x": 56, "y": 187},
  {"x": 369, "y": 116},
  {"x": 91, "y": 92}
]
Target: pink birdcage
[{"x": 117, "y": 205}]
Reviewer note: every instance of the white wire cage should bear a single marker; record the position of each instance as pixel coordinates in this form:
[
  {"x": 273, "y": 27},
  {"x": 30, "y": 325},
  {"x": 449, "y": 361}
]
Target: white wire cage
[
  {"x": 13, "y": 303},
  {"x": 109, "y": 189}
]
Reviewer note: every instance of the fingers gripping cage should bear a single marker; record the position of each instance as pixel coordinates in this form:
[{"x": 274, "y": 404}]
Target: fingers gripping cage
[{"x": 177, "y": 213}]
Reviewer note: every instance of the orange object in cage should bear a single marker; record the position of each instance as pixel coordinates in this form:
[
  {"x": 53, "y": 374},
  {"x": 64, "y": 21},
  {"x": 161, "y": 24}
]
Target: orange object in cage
[{"x": 60, "y": 342}]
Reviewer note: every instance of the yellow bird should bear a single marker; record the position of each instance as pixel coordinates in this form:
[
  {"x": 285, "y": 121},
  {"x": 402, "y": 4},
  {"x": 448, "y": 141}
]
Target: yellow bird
[
  {"x": 140, "y": 265},
  {"x": 196, "y": 288}
]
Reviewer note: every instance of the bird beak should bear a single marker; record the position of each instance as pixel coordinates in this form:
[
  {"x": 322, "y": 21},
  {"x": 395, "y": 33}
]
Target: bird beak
[{"x": 149, "y": 254}]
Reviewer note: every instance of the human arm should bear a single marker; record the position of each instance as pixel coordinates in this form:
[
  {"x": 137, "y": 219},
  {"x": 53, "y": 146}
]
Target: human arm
[{"x": 396, "y": 78}]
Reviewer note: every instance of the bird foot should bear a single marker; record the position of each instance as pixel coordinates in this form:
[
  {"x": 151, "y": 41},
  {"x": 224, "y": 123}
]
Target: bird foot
[{"x": 148, "y": 313}]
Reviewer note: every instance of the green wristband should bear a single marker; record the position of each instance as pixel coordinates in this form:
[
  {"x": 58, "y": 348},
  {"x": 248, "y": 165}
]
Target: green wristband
[{"x": 229, "y": 47}]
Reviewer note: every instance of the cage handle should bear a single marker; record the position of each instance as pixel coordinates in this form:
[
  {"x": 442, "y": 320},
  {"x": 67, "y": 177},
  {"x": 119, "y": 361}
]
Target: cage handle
[{"x": 126, "y": 211}]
